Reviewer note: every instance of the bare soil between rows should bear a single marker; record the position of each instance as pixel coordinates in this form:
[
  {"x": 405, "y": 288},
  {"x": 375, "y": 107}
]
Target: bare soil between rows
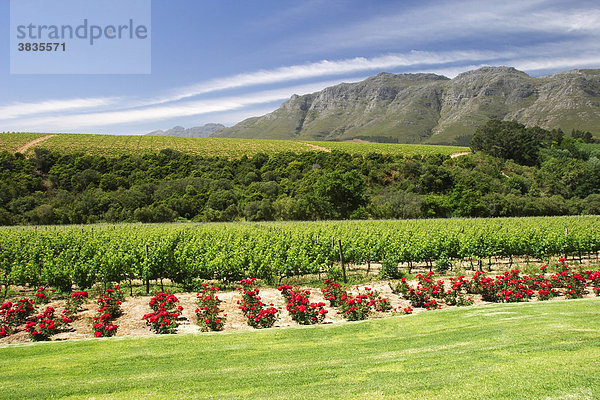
[{"x": 131, "y": 321}]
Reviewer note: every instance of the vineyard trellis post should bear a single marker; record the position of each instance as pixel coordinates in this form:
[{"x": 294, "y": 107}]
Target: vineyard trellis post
[
  {"x": 147, "y": 277},
  {"x": 342, "y": 261}
]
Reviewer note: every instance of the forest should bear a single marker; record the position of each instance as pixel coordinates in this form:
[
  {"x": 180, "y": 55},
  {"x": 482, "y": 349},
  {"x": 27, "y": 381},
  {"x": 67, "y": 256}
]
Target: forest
[{"x": 513, "y": 171}]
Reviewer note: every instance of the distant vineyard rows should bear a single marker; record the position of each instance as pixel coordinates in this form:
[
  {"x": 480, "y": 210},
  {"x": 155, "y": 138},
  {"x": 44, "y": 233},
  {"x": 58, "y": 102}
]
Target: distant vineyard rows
[{"x": 114, "y": 146}]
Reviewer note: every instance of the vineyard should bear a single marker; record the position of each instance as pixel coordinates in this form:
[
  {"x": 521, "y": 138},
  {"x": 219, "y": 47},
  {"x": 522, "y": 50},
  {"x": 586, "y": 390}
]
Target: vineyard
[
  {"x": 12, "y": 141},
  {"x": 114, "y": 146},
  {"x": 188, "y": 253},
  {"x": 391, "y": 148}
]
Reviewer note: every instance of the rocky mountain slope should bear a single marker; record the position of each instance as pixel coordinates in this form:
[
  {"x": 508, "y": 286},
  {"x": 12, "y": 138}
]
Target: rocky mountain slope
[
  {"x": 197, "y": 131},
  {"x": 429, "y": 108}
]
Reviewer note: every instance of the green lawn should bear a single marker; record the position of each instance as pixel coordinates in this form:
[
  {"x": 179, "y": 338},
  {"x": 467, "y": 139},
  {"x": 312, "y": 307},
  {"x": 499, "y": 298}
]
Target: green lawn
[{"x": 545, "y": 350}]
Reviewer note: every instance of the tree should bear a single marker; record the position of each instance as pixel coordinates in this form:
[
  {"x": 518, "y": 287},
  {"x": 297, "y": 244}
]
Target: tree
[
  {"x": 508, "y": 140},
  {"x": 585, "y": 136},
  {"x": 344, "y": 192}
]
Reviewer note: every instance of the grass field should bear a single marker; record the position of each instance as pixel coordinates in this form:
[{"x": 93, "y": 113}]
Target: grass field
[
  {"x": 543, "y": 350},
  {"x": 110, "y": 145}
]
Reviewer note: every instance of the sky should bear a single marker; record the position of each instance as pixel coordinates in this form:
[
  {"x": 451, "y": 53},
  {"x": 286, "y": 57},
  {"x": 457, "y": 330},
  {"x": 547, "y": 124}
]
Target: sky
[{"x": 224, "y": 61}]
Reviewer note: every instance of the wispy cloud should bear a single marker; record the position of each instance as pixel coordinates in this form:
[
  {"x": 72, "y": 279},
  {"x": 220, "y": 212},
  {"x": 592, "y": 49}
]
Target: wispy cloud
[
  {"x": 316, "y": 70},
  {"x": 163, "y": 112},
  {"x": 325, "y": 68},
  {"x": 439, "y": 63},
  {"x": 551, "y": 35},
  {"x": 16, "y": 110},
  {"x": 455, "y": 21}
]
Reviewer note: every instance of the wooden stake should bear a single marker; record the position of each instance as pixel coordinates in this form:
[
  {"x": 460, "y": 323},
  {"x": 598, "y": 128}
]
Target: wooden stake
[
  {"x": 147, "y": 278},
  {"x": 342, "y": 260}
]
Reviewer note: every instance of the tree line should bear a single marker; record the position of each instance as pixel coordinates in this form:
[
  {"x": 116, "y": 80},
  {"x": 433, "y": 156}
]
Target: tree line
[{"x": 514, "y": 171}]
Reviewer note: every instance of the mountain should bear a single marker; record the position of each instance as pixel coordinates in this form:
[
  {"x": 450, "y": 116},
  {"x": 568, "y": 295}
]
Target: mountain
[
  {"x": 197, "y": 131},
  {"x": 429, "y": 108}
]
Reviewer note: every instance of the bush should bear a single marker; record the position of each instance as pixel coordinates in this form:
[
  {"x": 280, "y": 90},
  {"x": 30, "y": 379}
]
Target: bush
[
  {"x": 257, "y": 313},
  {"x": 164, "y": 319},
  {"x": 333, "y": 292},
  {"x": 75, "y": 302},
  {"x": 443, "y": 264},
  {"x": 110, "y": 308},
  {"x": 102, "y": 325},
  {"x": 42, "y": 295},
  {"x": 264, "y": 318},
  {"x": 167, "y": 301},
  {"x": 105, "y": 329},
  {"x": 208, "y": 309},
  {"x": 46, "y": 325},
  {"x": 389, "y": 269},
  {"x": 357, "y": 308},
  {"x": 12, "y": 315},
  {"x": 301, "y": 309}
]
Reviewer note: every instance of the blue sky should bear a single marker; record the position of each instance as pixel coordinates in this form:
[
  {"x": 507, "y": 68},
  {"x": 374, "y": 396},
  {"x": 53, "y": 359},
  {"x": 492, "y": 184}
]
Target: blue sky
[{"x": 224, "y": 61}]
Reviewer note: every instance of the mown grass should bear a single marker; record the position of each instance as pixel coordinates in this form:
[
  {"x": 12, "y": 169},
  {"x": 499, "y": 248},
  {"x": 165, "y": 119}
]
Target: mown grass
[
  {"x": 114, "y": 146},
  {"x": 544, "y": 350}
]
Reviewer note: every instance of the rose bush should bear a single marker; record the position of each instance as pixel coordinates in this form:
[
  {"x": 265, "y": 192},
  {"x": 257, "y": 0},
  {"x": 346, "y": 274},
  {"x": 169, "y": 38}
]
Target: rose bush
[
  {"x": 43, "y": 294},
  {"x": 75, "y": 302},
  {"x": 109, "y": 309},
  {"x": 333, "y": 292},
  {"x": 166, "y": 301},
  {"x": 208, "y": 309},
  {"x": 258, "y": 314},
  {"x": 46, "y": 325},
  {"x": 12, "y": 315},
  {"x": 300, "y": 307},
  {"x": 164, "y": 318}
]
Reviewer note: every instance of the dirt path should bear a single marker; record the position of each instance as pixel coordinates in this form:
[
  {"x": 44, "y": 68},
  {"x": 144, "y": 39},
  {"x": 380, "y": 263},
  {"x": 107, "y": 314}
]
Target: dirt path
[
  {"x": 314, "y": 146},
  {"x": 459, "y": 154},
  {"x": 28, "y": 145}
]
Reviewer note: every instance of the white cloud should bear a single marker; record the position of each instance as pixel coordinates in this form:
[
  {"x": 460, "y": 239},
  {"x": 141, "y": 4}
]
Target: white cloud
[
  {"x": 157, "y": 113},
  {"x": 243, "y": 106},
  {"x": 23, "y": 109},
  {"x": 472, "y": 20},
  {"x": 567, "y": 22},
  {"x": 330, "y": 68},
  {"x": 545, "y": 64},
  {"x": 285, "y": 74}
]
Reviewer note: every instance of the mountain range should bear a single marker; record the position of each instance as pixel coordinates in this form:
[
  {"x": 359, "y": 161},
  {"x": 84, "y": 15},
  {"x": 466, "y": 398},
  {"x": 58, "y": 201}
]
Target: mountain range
[
  {"x": 197, "y": 131},
  {"x": 430, "y": 108}
]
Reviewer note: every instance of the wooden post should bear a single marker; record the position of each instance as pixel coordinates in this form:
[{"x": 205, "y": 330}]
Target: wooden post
[
  {"x": 342, "y": 260},
  {"x": 147, "y": 278}
]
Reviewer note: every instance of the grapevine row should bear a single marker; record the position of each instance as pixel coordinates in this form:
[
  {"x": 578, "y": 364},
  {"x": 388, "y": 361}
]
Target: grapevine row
[{"x": 187, "y": 253}]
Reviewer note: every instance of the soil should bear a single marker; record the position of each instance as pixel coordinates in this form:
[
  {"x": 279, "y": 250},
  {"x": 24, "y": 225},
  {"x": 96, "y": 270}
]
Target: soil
[
  {"x": 460, "y": 154},
  {"x": 316, "y": 147},
  {"x": 134, "y": 308}
]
